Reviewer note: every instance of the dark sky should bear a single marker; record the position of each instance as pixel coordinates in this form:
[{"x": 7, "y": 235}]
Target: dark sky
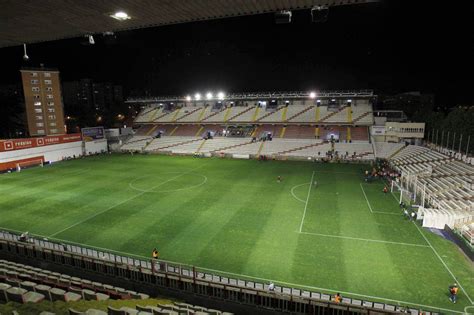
[{"x": 391, "y": 46}]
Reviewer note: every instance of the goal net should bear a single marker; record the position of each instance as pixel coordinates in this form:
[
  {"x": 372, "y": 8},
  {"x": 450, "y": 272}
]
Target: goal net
[
  {"x": 402, "y": 194},
  {"x": 30, "y": 163}
]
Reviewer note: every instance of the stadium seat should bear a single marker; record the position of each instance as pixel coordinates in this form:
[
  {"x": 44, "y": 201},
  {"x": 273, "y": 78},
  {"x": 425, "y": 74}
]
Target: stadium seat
[
  {"x": 115, "y": 311},
  {"x": 3, "y": 294}
]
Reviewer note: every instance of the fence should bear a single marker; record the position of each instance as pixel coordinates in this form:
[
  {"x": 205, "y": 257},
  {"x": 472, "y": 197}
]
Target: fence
[{"x": 188, "y": 279}]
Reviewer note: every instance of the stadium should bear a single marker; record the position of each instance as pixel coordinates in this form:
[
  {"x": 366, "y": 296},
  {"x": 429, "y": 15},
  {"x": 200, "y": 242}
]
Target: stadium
[{"x": 214, "y": 202}]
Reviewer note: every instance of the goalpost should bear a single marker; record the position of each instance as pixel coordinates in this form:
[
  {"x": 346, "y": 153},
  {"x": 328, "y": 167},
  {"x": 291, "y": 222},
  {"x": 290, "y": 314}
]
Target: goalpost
[
  {"x": 29, "y": 163},
  {"x": 402, "y": 194}
]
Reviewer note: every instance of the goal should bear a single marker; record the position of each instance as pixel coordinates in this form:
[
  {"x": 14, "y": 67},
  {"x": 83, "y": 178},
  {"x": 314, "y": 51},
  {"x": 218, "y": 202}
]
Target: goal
[
  {"x": 27, "y": 164},
  {"x": 402, "y": 194}
]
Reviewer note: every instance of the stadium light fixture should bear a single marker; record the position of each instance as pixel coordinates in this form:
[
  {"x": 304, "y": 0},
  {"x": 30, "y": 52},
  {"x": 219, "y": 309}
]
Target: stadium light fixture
[
  {"x": 25, "y": 56},
  {"x": 120, "y": 16},
  {"x": 197, "y": 96},
  {"x": 349, "y": 101},
  {"x": 221, "y": 95},
  {"x": 312, "y": 94},
  {"x": 188, "y": 98},
  {"x": 209, "y": 95}
]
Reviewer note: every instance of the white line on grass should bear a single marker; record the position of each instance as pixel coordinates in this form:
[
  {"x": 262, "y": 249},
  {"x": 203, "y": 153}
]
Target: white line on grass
[
  {"x": 307, "y": 199},
  {"x": 293, "y": 193},
  {"x": 444, "y": 264},
  {"x": 122, "y": 202},
  {"x": 363, "y": 239},
  {"x": 252, "y": 277},
  {"x": 370, "y": 208}
]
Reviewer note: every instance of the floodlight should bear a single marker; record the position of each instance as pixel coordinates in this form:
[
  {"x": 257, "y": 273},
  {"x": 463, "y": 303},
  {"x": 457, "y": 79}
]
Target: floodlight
[
  {"x": 120, "y": 15},
  {"x": 188, "y": 98},
  {"x": 91, "y": 39},
  {"x": 209, "y": 95},
  {"x": 25, "y": 56},
  {"x": 220, "y": 95},
  {"x": 197, "y": 96},
  {"x": 312, "y": 94}
]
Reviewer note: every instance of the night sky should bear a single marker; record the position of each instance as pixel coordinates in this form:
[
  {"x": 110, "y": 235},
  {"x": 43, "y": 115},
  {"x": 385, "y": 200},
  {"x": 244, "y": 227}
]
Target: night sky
[{"x": 391, "y": 46}]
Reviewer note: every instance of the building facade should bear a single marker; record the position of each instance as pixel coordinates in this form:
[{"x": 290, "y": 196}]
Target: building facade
[{"x": 43, "y": 101}]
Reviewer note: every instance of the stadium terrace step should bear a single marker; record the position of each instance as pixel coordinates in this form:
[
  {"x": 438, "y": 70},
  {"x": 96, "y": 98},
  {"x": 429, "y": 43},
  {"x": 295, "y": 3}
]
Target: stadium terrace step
[
  {"x": 241, "y": 113},
  {"x": 300, "y": 113},
  {"x": 188, "y": 113},
  {"x": 332, "y": 114},
  {"x": 213, "y": 114},
  {"x": 360, "y": 117},
  {"x": 161, "y": 116},
  {"x": 232, "y": 146},
  {"x": 301, "y": 148},
  {"x": 174, "y": 144},
  {"x": 270, "y": 113}
]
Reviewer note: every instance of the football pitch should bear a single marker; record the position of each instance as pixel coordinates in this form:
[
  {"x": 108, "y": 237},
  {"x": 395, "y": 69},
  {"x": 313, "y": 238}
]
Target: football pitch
[{"x": 321, "y": 228}]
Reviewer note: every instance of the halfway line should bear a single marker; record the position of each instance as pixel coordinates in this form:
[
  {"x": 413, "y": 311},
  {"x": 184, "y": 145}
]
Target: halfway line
[{"x": 306, "y": 204}]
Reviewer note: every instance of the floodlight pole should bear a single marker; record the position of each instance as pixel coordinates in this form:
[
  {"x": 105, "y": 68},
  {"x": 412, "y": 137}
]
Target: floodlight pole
[
  {"x": 460, "y": 140},
  {"x": 467, "y": 146},
  {"x": 424, "y": 194}
]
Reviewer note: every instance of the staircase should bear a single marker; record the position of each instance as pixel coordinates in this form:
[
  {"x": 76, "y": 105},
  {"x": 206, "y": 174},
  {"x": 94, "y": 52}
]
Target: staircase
[
  {"x": 174, "y": 130},
  {"x": 151, "y": 130},
  {"x": 176, "y": 112},
  {"x": 242, "y": 112},
  {"x": 332, "y": 114},
  {"x": 255, "y": 132},
  {"x": 282, "y": 132},
  {"x": 260, "y": 148},
  {"x": 361, "y": 116},
  {"x": 255, "y": 115},
  {"x": 227, "y": 113},
  {"x": 283, "y": 113},
  {"x": 198, "y": 133},
  {"x": 301, "y": 112},
  {"x": 202, "y": 114},
  {"x": 189, "y": 113},
  {"x": 348, "y": 135},
  {"x": 301, "y": 148},
  {"x": 201, "y": 145},
  {"x": 231, "y": 146},
  {"x": 270, "y": 113},
  {"x": 349, "y": 114},
  {"x": 396, "y": 152}
]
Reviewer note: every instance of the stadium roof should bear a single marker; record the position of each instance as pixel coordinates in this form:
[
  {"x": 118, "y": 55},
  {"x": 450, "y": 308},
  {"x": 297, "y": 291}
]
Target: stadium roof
[{"x": 23, "y": 21}]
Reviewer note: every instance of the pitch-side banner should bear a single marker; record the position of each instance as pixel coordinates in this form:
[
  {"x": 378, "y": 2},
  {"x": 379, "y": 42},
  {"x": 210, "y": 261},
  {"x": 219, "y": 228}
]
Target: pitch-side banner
[
  {"x": 27, "y": 143},
  {"x": 93, "y": 133}
]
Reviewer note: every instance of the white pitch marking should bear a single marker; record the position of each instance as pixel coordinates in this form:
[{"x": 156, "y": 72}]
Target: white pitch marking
[
  {"x": 444, "y": 264},
  {"x": 292, "y": 192},
  {"x": 307, "y": 199},
  {"x": 363, "y": 239},
  {"x": 120, "y": 203},
  {"x": 257, "y": 278},
  {"x": 370, "y": 208}
]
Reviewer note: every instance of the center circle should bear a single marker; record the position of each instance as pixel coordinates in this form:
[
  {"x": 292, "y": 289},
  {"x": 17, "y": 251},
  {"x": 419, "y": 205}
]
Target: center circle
[{"x": 167, "y": 182}]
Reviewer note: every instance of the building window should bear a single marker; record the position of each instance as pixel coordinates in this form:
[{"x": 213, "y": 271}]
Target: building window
[
  {"x": 39, "y": 117},
  {"x": 35, "y": 81},
  {"x": 40, "y": 131},
  {"x": 47, "y": 81},
  {"x": 50, "y": 103},
  {"x": 40, "y": 124},
  {"x": 38, "y": 110},
  {"x": 36, "y": 97},
  {"x": 34, "y": 74},
  {"x": 49, "y": 89},
  {"x": 47, "y": 75},
  {"x": 51, "y": 110},
  {"x": 53, "y": 130},
  {"x": 53, "y": 124},
  {"x": 51, "y": 117},
  {"x": 35, "y": 89},
  {"x": 37, "y": 103},
  {"x": 49, "y": 96}
]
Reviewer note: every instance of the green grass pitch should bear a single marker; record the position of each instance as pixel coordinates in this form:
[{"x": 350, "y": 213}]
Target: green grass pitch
[{"x": 335, "y": 233}]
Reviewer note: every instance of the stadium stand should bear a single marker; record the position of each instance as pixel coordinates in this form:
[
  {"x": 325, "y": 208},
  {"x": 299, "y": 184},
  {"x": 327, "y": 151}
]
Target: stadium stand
[
  {"x": 165, "y": 143},
  {"x": 445, "y": 184}
]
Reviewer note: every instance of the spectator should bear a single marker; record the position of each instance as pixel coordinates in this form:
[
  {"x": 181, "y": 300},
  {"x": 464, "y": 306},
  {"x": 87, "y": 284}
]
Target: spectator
[
  {"x": 337, "y": 298},
  {"x": 453, "y": 291},
  {"x": 385, "y": 190},
  {"x": 271, "y": 287},
  {"x": 154, "y": 253}
]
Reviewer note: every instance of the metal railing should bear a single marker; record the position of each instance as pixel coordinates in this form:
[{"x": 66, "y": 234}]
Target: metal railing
[{"x": 198, "y": 276}]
